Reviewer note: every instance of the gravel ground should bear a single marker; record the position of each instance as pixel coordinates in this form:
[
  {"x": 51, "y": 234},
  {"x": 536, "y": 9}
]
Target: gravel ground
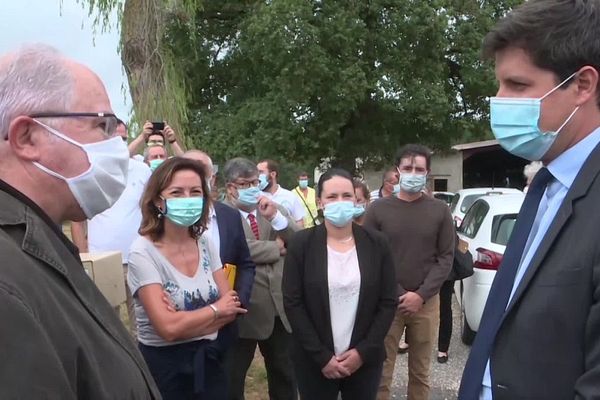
[{"x": 445, "y": 378}]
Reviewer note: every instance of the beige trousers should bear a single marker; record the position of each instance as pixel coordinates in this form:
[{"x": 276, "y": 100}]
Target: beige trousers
[{"x": 421, "y": 335}]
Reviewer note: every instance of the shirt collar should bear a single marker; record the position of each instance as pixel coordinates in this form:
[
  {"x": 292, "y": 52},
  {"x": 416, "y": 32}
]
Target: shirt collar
[
  {"x": 245, "y": 214},
  {"x": 567, "y": 165},
  {"x": 5, "y": 187},
  {"x": 212, "y": 214}
]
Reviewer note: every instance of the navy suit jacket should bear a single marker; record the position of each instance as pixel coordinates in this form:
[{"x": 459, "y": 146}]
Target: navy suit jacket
[{"x": 234, "y": 250}]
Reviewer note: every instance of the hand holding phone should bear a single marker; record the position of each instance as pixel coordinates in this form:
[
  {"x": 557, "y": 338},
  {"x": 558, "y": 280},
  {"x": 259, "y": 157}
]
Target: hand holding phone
[{"x": 158, "y": 126}]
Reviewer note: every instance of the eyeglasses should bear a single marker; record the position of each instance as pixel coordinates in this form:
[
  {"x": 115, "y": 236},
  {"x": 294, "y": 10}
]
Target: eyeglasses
[
  {"x": 106, "y": 121},
  {"x": 246, "y": 184}
]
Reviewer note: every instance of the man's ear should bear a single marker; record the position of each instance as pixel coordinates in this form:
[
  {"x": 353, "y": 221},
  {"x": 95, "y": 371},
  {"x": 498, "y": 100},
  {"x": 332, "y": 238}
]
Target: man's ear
[
  {"x": 587, "y": 85},
  {"x": 24, "y": 138}
]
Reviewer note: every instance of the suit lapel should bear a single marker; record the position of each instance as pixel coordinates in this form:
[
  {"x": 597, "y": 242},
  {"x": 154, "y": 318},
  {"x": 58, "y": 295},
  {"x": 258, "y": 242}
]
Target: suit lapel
[
  {"x": 580, "y": 187},
  {"x": 319, "y": 270},
  {"x": 264, "y": 227},
  {"x": 362, "y": 253},
  {"x": 223, "y": 231}
]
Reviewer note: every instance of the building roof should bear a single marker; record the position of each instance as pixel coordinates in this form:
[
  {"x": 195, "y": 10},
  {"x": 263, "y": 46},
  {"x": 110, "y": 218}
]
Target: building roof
[{"x": 475, "y": 145}]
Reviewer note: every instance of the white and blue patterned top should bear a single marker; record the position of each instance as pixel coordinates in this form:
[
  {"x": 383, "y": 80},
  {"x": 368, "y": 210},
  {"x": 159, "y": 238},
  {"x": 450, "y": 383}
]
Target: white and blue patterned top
[{"x": 148, "y": 266}]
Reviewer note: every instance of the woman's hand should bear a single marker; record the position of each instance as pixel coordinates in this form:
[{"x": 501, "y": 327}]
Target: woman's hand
[
  {"x": 229, "y": 305},
  {"x": 334, "y": 369},
  {"x": 350, "y": 361},
  {"x": 168, "y": 301}
]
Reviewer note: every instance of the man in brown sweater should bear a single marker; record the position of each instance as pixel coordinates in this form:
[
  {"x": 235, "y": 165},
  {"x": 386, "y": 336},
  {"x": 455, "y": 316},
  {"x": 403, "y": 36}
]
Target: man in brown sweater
[{"x": 421, "y": 235}]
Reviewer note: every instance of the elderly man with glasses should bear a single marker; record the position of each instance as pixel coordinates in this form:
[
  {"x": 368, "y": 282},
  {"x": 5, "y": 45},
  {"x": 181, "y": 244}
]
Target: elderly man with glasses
[{"x": 59, "y": 160}]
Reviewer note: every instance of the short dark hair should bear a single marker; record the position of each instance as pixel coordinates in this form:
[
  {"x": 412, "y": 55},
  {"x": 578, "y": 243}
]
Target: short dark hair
[
  {"x": 414, "y": 150},
  {"x": 560, "y": 36},
  {"x": 330, "y": 173},
  {"x": 152, "y": 224},
  {"x": 387, "y": 173},
  {"x": 272, "y": 166},
  {"x": 156, "y": 134},
  {"x": 302, "y": 173},
  {"x": 358, "y": 184}
]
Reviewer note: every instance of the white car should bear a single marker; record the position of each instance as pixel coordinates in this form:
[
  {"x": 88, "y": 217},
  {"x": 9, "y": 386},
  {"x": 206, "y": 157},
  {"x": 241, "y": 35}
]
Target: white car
[
  {"x": 463, "y": 199},
  {"x": 446, "y": 197},
  {"x": 486, "y": 228}
]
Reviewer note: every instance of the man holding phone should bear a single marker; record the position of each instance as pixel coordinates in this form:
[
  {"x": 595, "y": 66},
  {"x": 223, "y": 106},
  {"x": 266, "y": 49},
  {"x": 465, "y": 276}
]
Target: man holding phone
[{"x": 155, "y": 134}]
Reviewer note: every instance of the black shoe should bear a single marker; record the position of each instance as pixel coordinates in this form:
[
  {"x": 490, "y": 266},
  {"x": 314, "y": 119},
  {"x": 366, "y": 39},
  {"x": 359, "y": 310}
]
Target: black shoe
[{"x": 442, "y": 359}]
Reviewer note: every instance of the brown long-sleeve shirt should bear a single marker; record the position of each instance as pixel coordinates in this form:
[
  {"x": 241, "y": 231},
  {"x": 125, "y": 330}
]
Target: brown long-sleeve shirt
[{"x": 421, "y": 236}]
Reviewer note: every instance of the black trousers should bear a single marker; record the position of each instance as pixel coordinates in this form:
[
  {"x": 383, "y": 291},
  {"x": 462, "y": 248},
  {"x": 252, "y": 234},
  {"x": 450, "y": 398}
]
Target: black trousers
[
  {"x": 276, "y": 352},
  {"x": 445, "y": 316},
  {"x": 312, "y": 384},
  {"x": 187, "y": 371}
]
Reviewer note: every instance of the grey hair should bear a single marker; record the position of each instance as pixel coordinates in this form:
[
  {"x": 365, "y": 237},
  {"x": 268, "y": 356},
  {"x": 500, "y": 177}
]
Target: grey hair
[
  {"x": 531, "y": 169},
  {"x": 147, "y": 151},
  {"x": 192, "y": 154},
  {"x": 36, "y": 78},
  {"x": 239, "y": 168}
]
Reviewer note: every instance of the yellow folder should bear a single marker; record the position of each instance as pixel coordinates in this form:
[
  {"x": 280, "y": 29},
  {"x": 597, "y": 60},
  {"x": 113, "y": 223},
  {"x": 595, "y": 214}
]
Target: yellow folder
[{"x": 230, "y": 270}]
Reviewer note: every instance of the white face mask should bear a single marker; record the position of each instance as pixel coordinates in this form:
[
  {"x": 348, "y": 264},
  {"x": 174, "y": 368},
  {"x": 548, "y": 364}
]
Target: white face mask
[{"x": 98, "y": 188}]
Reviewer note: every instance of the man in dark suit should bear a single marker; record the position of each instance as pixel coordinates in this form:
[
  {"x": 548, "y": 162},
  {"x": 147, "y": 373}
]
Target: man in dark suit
[
  {"x": 228, "y": 235},
  {"x": 267, "y": 228},
  {"x": 539, "y": 336}
]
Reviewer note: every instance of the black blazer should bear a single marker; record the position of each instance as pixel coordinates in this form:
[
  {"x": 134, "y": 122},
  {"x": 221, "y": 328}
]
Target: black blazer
[
  {"x": 306, "y": 297},
  {"x": 234, "y": 249},
  {"x": 548, "y": 345}
]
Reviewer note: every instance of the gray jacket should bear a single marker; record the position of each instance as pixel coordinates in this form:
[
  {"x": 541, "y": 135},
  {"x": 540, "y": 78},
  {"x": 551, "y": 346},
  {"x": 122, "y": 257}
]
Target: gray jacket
[
  {"x": 266, "y": 301},
  {"x": 59, "y": 337}
]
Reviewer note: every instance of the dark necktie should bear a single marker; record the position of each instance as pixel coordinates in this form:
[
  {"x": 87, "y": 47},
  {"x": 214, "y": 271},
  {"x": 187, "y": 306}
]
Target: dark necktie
[
  {"x": 253, "y": 225},
  {"x": 501, "y": 288}
]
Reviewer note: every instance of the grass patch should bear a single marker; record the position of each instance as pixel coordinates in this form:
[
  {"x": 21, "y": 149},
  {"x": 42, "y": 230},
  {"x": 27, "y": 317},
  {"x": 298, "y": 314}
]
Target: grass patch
[{"x": 256, "y": 380}]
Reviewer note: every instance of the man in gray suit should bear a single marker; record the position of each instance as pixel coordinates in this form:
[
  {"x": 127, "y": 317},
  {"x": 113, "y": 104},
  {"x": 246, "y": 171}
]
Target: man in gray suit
[
  {"x": 539, "y": 336},
  {"x": 268, "y": 228}
]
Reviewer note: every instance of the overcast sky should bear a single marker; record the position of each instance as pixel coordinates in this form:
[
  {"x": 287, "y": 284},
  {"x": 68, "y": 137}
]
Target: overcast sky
[{"x": 69, "y": 29}]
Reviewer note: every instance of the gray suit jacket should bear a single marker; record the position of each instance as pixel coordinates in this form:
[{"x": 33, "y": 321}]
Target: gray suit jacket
[
  {"x": 548, "y": 346},
  {"x": 59, "y": 337},
  {"x": 266, "y": 300}
]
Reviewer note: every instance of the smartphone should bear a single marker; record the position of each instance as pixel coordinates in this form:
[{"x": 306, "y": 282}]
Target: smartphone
[{"x": 158, "y": 126}]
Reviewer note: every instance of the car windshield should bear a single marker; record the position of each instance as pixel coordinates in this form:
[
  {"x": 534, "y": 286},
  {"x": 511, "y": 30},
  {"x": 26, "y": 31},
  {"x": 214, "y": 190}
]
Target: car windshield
[
  {"x": 468, "y": 201},
  {"x": 502, "y": 227},
  {"x": 454, "y": 202}
]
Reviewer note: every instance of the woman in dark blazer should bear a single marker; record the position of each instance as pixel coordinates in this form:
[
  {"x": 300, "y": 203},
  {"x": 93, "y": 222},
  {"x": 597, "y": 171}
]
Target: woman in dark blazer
[{"x": 340, "y": 297}]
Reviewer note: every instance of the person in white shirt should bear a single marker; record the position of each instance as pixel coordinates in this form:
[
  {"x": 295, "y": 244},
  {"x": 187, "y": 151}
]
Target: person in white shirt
[
  {"x": 116, "y": 228},
  {"x": 268, "y": 171}
]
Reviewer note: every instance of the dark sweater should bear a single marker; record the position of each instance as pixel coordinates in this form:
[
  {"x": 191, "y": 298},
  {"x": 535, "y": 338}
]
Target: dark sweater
[{"x": 421, "y": 236}]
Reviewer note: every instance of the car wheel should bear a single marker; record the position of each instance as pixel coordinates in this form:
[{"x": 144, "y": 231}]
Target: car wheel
[{"x": 467, "y": 335}]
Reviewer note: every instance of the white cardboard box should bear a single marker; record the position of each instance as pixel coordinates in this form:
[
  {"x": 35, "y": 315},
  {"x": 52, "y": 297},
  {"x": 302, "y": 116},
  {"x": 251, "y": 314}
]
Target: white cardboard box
[{"x": 106, "y": 270}]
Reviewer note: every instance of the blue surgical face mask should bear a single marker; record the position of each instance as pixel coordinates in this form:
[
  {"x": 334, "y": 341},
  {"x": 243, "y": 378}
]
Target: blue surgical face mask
[
  {"x": 249, "y": 196},
  {"x": 155, "y": 163},
  {"x": 412, "y": 183},
  {"x": 303, "y": 183},
  {"x": 396, "y": 189},
  {"x": 359, "y": 210},
  {"x": 263, "y": 181},
  {"x": 515, "y": 123},
  {"x": 339, "y": 213},
  {"x": 184, "y": 211}
]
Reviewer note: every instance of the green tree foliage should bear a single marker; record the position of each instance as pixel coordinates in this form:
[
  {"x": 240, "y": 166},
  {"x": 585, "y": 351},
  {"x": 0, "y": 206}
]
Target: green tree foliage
[
  {"x": 306, "y": 80},
  {"x": 301, "y": 81}
]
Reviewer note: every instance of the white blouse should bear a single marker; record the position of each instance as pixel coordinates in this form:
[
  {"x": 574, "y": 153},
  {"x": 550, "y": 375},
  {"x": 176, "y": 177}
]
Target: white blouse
[{"x": 343, "y": 277}]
